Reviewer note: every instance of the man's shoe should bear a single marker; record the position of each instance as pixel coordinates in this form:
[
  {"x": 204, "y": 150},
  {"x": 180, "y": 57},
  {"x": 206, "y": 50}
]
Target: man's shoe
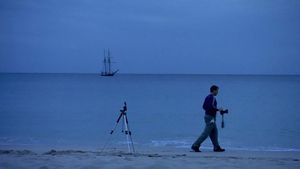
[
  {"x": 219, "y": 149},
  {"x": 195, "y": 148}
]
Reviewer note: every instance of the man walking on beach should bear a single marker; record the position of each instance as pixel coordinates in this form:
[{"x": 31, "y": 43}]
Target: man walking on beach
[{"x": 210, "y": 107}]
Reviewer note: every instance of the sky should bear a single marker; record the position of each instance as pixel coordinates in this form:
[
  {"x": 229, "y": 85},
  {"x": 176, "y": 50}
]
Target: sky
[{"x": 164, "y": 37}]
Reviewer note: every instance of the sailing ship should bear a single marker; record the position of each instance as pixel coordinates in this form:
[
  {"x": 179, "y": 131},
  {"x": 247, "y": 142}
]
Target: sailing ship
[{"x": 107, "y": 64}]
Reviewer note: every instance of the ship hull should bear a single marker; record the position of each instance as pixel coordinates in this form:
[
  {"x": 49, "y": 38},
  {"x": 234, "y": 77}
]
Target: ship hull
[{"x": 109, "y": 74}]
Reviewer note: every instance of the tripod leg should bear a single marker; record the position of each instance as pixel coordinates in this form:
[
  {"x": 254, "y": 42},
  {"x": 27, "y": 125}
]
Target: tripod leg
[
  {"x": 112, "y": 131},
  {"x": 123, "y": 125},
  {"x": 129, "y": 134},
  {"x": 121, "y": 114},
  {"x": 126, "y": 132}
]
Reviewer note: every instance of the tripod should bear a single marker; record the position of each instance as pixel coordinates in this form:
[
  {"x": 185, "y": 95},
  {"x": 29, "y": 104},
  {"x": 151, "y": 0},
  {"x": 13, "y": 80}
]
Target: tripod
[{"x": 125, "y": 128}]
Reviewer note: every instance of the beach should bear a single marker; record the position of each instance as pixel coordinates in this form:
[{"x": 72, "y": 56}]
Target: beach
[{"x": 147, "y": 159}]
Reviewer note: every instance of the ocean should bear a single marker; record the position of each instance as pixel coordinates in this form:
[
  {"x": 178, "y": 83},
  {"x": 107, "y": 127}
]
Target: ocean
[{"x": 80, "y": 110}]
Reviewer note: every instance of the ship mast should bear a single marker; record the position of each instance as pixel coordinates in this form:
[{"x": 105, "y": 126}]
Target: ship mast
[
  {"x": 109, "y": 62},
  {"x": 104, "y": 61}
]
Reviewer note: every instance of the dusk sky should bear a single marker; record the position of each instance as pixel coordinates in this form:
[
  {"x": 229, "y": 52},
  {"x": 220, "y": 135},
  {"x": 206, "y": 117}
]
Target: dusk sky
[{"x": 165, "y": 36}]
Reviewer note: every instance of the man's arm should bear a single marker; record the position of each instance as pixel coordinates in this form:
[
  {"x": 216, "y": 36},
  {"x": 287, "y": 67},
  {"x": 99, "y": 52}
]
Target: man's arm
[{"x": 213, "y": 104}]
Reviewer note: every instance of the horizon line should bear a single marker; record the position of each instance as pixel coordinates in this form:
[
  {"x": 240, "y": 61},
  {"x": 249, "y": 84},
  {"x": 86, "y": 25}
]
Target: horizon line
[{"x": 210, "y": 74}]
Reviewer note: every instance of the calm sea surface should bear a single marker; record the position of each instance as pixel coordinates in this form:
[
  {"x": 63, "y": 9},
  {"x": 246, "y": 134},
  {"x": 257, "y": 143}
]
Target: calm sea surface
[{"x": 79, "y": 110}]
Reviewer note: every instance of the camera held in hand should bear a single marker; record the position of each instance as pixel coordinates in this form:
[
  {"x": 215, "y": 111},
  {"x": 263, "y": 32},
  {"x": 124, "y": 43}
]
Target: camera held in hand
[{"x": 224, "y": 111}]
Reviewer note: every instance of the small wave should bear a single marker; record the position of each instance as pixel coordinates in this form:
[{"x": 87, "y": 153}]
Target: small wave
[
  {"x": 6, "y": 141},
  {"x": 273, "y": 149},
  {"x": 64, "y": 152},
  {"x": 17, "y": 152},
  {"x": 173, "y": 143},
  {"x": 187, "y": 144}
]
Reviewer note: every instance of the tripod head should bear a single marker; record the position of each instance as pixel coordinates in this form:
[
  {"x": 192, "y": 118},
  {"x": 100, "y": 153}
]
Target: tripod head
[{"x": 124, "y": 108}]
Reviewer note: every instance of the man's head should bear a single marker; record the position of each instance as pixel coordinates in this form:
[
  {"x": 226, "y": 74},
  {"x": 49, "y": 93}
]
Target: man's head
[{"x": 214, "y": 90}]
